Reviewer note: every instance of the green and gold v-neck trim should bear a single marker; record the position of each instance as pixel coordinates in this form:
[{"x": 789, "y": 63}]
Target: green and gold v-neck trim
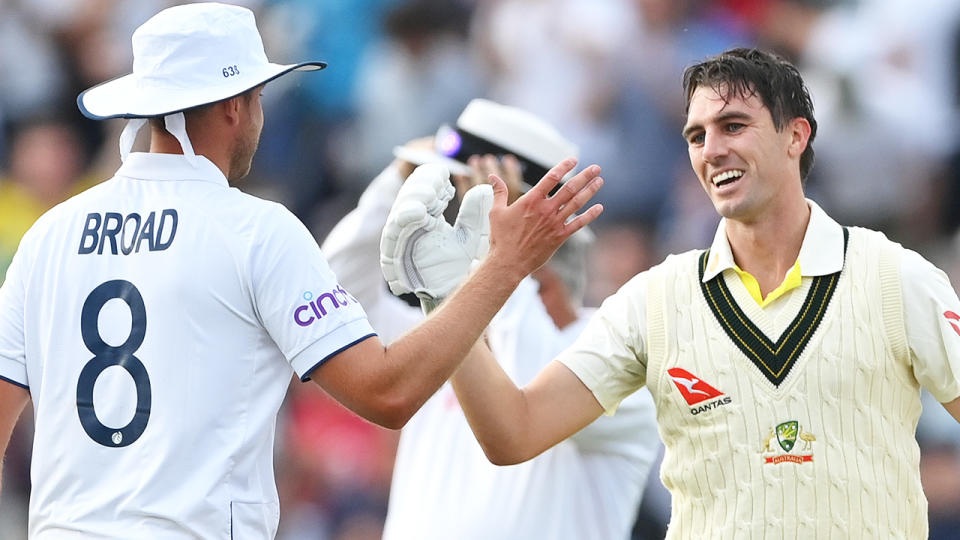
[{"x": 773, "y": 359}]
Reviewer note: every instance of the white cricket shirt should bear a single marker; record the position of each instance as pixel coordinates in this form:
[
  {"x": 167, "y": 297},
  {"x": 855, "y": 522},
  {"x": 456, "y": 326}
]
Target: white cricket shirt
[{"x": 156, "y": 320}]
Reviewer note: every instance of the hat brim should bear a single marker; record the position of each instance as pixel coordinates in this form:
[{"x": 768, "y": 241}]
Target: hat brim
[
  {"x": 123, "y": 97},
  {"x": 420, "y": 156}
]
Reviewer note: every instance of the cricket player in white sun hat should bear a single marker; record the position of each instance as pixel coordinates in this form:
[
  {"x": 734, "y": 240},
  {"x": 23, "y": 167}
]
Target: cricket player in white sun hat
[{"x": 155, "y": 320}]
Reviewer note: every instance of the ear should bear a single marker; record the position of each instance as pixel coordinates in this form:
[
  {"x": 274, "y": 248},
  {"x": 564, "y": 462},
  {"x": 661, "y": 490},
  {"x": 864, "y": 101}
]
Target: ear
[
  {"x": 230, "y": 109},
  {"x": 799, "y": 131}
]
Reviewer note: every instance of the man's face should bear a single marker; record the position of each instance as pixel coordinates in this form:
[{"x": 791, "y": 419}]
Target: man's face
[
  {"x": 742, "y": 161},
  {"x": 247, "y": 140}
]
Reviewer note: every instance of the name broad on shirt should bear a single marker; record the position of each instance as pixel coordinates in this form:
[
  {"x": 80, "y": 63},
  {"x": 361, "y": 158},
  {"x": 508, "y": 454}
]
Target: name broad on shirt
[{"x": 126, "y": 234}]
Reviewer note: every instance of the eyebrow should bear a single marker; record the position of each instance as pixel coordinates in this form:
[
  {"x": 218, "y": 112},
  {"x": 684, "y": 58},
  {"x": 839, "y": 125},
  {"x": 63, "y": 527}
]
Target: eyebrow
[{"x": 722, "y": 117}]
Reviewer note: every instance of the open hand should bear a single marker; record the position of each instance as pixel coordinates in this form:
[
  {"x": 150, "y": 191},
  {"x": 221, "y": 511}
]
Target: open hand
[{"x": 524, "y": 235}]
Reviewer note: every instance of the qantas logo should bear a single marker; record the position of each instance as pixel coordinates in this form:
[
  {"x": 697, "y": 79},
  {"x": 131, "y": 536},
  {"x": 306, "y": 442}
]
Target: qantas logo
[
  {"x": 696, "y": 391},
  {"x": 953, "y": 318},
  {"x": 693, "y": 389}
]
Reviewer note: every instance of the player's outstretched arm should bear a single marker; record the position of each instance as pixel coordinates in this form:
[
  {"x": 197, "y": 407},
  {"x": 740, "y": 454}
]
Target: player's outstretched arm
[
  {"x": 388, "y": 384},
  {"x": 513, "y": 425},
  {"x": 12, "y": 401}
]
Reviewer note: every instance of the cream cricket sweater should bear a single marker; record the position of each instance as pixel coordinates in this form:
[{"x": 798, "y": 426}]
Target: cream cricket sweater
[{"x": 801, "y": 427}]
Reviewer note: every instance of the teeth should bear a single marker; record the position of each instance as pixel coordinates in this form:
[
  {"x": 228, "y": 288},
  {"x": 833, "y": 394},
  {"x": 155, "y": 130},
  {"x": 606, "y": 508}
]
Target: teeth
[{"x": 727, "y": 175}]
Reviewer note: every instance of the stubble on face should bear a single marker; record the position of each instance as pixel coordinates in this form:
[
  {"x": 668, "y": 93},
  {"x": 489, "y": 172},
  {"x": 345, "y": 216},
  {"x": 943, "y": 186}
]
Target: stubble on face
[
  {"x": 241, "y": 159},
  {"x": 247, "y": 141}
]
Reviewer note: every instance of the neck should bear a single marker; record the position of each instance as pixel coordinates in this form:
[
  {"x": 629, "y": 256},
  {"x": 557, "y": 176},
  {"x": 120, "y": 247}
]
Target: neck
[
  {"x": 768, "y": 248},
  {"x": 162, "y": 142}
]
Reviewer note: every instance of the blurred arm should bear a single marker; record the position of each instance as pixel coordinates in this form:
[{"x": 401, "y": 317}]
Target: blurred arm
[
  {"x": 353, "y": 246},
  {"x": 12, "y": 401}
]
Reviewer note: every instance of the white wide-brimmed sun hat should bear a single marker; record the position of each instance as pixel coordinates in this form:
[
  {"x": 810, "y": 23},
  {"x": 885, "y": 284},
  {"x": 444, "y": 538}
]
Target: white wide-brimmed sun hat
[
  {"x": 486, "y": 127},
  {"x": 186, "y": 56},
  {"x": 183, "y": 57}
]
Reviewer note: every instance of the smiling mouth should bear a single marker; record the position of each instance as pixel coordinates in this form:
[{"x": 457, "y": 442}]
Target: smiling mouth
[{"x": 726, "y": 177}]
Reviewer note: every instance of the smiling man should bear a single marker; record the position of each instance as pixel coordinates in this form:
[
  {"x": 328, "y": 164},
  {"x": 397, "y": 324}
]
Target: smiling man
[{"x": 786, "y": 360}]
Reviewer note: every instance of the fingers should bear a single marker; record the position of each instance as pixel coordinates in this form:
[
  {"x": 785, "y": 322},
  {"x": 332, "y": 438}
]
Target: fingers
[
  {"x": 462, "y": 184},
  {"x": 480, "y": 171},
  {"x": 508, "y": 168},
  {"x": 500, "y": 191},
  {"x": 553, "y": 177},
  {"x": 577, "y": 191},
  {"x": 513, "y": 176},
  {"x": 576, "y": 198},
  {"x": 583, "y": 220}
]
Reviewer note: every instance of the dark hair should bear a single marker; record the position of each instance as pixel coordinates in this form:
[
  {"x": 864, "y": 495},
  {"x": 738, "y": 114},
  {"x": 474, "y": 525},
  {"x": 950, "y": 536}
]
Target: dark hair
[{"x": 751, "y": 72}]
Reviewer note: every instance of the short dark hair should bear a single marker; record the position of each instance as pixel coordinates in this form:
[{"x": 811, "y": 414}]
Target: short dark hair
[{"x": 746, "y": 72}]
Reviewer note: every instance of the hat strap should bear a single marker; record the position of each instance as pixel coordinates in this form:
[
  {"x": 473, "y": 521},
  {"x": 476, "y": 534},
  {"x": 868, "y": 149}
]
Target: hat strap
[
  {"x": 175, "y": 123},
  {"x": 129, "y": 135}
]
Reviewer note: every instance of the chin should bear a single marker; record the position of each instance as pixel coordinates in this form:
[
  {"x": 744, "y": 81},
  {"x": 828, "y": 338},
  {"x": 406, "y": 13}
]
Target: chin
[
  {"x": 730, "y": 209},
  {"x": 237, "y": 174}
]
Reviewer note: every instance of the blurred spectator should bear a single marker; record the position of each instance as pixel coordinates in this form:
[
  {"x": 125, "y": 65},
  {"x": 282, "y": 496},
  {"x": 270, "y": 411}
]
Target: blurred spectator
[
  {"x": 336, "y": 469},
  {"x": 620, "y": 252},
  {"x": 45, "y": 164},
  {"x": 46, "y": 161},
  {"x": 56, "y": 48},
  {"x": 427, "y": 65},
  {"x": 299, "y": 161},
  {"x": 525, "y": 45}
]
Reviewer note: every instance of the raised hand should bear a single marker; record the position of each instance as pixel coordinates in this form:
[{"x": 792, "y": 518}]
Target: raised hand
[{"x": 524, "y": 235}]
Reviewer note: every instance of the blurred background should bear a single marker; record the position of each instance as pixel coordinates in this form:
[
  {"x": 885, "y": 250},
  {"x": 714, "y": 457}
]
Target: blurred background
[{"x": 884, "y": 75}]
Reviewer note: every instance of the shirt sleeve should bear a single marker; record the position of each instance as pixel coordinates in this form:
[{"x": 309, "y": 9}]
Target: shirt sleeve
[
  {"x": 610, "y": 355},
  {"x": 13, "y": 358},
  {"x": 932, "y": 320},
  {"x": 309, "y": 315}
]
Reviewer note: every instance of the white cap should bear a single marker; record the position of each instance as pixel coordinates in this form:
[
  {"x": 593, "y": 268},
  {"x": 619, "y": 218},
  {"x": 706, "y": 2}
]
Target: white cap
[
  {"x": 485, "y": 127},
  {"x": 186, "y": 56}
]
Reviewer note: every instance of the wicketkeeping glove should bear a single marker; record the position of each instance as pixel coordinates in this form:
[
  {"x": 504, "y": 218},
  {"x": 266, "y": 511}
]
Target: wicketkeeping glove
[{"x": 419, "y": 251}]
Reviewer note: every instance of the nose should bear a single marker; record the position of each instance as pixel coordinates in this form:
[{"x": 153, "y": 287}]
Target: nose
[{"x": 714, "y": 147}]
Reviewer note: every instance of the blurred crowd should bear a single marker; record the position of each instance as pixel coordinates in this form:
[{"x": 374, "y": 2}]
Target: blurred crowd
[{"x": 884, "y": 75}]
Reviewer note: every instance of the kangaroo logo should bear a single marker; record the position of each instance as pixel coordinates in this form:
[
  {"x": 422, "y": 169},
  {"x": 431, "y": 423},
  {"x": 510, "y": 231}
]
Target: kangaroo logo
[{"x": 691, "y": 387}]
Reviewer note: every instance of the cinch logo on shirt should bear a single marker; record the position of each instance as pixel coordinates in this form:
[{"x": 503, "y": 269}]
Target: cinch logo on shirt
[
  {"x": 695, "y": 390},
  {"x": 316, "y": 308}
]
